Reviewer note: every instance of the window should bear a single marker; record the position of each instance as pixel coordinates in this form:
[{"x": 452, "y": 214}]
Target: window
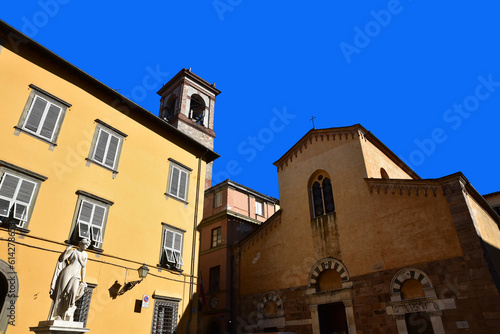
[
  {"x": 169, "y": 108},
  {"x": 43, "y": 115},
  {"x": 90, "y": 219},
  {"x": 165, "y": 317},
  {"x": 172, "y": 247},
  {"x": 178, "y": 181},
  {"x": 83, "y": 306},
  {"x": 259, "y": 208},
  {"x": 218, "y": 199},
  {"x": 18, "y": 191},
  {"x": 106, "y": 146},
  {"x": 321, "y": 195},
  {"x": 214, "y": 279},
  {"x": 216, "y": 236},
  {"x": 197, "y": 109}
]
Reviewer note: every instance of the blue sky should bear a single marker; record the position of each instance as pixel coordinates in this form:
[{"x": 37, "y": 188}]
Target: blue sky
[{"x": 423, "y": 76}]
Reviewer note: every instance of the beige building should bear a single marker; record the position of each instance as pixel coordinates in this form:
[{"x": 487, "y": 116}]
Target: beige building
[
  {"x": 231, "y": 213},
  {"x": 363, "y": 245}
]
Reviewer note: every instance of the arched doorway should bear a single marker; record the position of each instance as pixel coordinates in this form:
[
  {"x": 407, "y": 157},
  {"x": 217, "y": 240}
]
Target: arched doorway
[
  {"x": 213, "y": 328},
  {"x": 9, "y": 289}
]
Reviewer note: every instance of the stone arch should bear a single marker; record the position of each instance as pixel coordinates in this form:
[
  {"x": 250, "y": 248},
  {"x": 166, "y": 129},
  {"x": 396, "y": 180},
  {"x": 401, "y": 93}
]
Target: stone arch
[
  {"x": 427, "y": 309},
  {"x": 409, "y": 273},
  {"x": 324, "y": 264},
  {"x": 270, "y": 297},
  {"x": 197, "y": 107},
  {"x": 275, "y": 319},
  {"x": 10, "y": 295}
]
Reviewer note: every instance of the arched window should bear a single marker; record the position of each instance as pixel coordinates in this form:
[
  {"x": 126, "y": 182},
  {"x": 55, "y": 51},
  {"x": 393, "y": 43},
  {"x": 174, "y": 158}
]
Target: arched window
[
  {"x": 321, "y": 195},
  {"x": 168, "y": 111},
  {"x": 383, "y": 173},
  {"x": 197, "y": 109}
]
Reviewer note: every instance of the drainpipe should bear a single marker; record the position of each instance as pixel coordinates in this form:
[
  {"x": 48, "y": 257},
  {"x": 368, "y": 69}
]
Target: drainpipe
[{"x": 193, "y": 250}]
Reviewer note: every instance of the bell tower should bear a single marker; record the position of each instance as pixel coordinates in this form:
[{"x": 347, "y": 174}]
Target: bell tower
[{"x": 187, "y": 102}]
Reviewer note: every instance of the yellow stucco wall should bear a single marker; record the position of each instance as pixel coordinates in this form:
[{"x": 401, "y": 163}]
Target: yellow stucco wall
[
  {"x": 375, "y": 160},
  {"x": 485, "y": 226},
  {"x": 133, "y": 231}
]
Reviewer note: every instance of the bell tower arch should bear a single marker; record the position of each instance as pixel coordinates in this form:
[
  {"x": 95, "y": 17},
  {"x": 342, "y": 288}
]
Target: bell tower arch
[{"x": 187, "y": 103}]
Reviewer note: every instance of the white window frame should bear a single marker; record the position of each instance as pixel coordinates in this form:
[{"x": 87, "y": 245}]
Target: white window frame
[
  {"x": 15, "y": 201},
  {"x": 39, "y": 95},
  {"x": 175, "y": 183},
  {"x": 172, "y": 251},
  {"x": 89, "y": 228},
  {"x": 94, "y": 225},
  {"x": 259, "y": 205},
  {"x": 103, "y": 129},
  {"x": 43, "y": 119},
  {"x": 218, "y": 199}
]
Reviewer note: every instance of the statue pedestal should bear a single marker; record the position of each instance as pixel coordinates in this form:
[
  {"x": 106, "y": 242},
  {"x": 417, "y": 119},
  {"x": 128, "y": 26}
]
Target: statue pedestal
[{"x": 59, "y": 327}]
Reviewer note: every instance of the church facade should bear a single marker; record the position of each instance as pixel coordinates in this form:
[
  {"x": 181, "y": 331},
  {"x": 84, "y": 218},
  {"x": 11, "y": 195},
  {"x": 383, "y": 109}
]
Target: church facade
[{"x": 362, "y": 244}]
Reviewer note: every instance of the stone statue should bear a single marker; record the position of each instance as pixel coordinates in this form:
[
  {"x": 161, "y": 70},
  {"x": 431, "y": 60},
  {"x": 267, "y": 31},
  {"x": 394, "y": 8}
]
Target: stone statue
[{"x": 68, "y": 283}]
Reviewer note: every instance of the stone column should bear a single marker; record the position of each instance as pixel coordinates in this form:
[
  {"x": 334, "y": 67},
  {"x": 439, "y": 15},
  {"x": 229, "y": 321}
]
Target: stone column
[{"x": 314, "y": 318}]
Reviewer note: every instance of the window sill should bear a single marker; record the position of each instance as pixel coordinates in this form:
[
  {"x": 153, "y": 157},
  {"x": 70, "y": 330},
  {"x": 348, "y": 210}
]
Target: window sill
[
  {"x": 90, "y": 161},
  {"x": 325, "y": 215},
  {"x": 176, "y": 198},
  {"x": 91, "y": 248},
  {"x": 10, "y": 227},
  {"x": 19, "y": 130},
  {"x": 171, "y": 268}
]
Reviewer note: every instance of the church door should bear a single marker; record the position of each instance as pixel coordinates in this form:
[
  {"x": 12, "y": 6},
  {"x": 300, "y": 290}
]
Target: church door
[{"x": 332, "y": 319}]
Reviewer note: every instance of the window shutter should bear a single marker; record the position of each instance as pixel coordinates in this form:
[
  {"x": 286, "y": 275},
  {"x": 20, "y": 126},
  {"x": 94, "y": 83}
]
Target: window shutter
[
  {"x": 35, "y": 114},
  {"x": 84, "y": 218},
  {"x": 178, "y": 242},
  {"x": 174, "y": 182},
  {"x": 4, "y": 207},
  {"x": 177, "y": 249},
  {"x": 112, "y": 150},
  {"x": 50, "y": 122},
  {"x": 100, "y": 146},
  {"x": 8, "y": 188},
  {"x": 183, "y": 185},
  {"x": 23, "y": 200},
  {"x": 169, "y": 245},
  {"x": 97, "y": 223}
]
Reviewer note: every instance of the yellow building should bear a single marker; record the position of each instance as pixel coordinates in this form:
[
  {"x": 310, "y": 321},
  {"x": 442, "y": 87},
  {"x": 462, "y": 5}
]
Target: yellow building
[{"x": 80, "y": 160}]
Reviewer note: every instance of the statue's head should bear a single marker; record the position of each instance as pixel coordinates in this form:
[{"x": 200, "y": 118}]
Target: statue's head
[{"x": 85, "y": 243}]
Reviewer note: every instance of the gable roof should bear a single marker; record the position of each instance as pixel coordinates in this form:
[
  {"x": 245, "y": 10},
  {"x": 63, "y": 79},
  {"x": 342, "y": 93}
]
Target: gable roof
[{"x": 347, "y": 131}]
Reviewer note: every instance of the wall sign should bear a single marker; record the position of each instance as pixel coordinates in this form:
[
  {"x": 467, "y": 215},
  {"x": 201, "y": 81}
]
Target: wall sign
[{"x": 145, "y": 301}]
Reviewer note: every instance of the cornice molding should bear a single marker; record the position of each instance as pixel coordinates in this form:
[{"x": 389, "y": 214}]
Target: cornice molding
[{"x": 334, "y": 134}]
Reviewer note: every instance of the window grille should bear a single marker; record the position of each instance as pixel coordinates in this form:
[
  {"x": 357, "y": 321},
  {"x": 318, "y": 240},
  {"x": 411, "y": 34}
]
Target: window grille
[
  {"x": 165, "y": 317},
  {"x": 83, "y": 306}
]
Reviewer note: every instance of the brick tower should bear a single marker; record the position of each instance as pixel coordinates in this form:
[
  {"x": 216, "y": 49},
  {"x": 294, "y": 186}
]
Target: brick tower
[{"x": 187, "y": 102}]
